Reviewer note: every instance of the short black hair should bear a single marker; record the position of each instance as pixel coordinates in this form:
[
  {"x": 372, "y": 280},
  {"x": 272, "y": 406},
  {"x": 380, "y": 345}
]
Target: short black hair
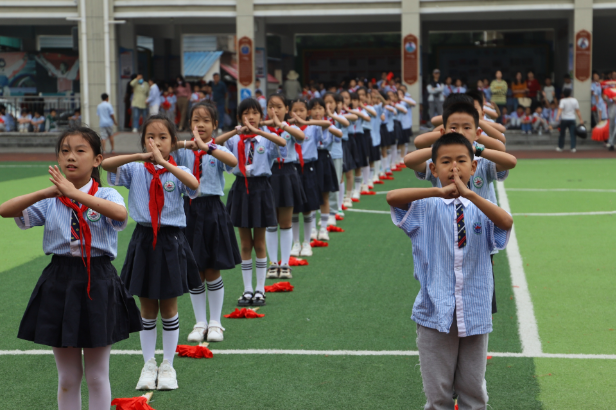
[
  {"x": 456, "y": 98},
  {"x": 247, "y": 104},
  {"x": 476, "y": 95},
  {"x": 453, "y": 138},
  {"x": 567, "y": 92},
  {"x": 316, "y": 101},
  {"x": 462, "y": 108},
  {"x": 104, "y": 96},
  {"x": 207, "y": 106},
  {"x": 354, "y": 96}
]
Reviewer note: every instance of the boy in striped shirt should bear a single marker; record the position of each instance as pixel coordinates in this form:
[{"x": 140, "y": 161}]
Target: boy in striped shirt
[{"x": 453, "y": 231}]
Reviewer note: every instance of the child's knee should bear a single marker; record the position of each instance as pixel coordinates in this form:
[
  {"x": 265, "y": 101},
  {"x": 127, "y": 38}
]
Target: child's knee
[{"x": 69, "y": 381}]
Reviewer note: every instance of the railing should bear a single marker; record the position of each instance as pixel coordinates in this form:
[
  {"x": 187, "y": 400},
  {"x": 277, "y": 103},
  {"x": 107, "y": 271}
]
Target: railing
[{"x": 64, "y": 107}]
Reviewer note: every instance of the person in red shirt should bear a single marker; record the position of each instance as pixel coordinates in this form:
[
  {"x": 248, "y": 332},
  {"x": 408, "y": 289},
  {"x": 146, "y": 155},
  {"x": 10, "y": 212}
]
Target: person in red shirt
[{"x": 533, "y": 88}]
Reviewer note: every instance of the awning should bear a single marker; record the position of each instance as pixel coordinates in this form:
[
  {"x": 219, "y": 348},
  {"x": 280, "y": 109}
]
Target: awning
[
  {"x": 198, "y": 63},
  {"x": 232, "y": 70}
]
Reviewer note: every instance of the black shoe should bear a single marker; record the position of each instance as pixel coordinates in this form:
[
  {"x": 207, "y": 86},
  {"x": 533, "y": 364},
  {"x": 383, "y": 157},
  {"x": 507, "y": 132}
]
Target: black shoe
[
  {"x": 258, "y": 299},
  {"x": 611, "y": 148},
  {"x": 245, "y": 299}
]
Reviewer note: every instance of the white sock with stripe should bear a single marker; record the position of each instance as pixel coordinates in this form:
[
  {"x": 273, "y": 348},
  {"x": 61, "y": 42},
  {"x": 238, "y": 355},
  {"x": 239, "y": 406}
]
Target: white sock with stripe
[
  {"x": 171, "y": 334},
  {"x": 261, "y": 270},
  {"x": 286, "y": 242},
  {"x": 271, "y": 242},
  {"x": 247, "y": 275},
  {"x": 197, "y": 297},
  {"x": 148, "y": 338},
  {"x": 215, "y": 295}
]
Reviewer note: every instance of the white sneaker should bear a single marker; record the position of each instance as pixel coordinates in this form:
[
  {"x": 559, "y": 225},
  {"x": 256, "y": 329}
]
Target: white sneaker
[
  {"x": 147, "y": 380},
  {"x": 198, "y": 333},
  {"x": 135, "y": 130},
  {"x": 296, "y": 249},
  {"x": 363, "y": 188},
  {"x": 355, "y": 195},
  {"x": 167, "y": 379},
  {"x": 323, "y": 235},
  {"x": 306, "y": 249},
  {"x": 313, "y": 233},
  {"x": 573, "y": 150},
  {"x": 559, "y": 149},
  {"x": 214, "y": 332},
  {"x": 272, "y": 271},
  {"x": 347, "y": 202},
  {"x": 285, "y": 272},
  {"x": 331, "y": 220}
]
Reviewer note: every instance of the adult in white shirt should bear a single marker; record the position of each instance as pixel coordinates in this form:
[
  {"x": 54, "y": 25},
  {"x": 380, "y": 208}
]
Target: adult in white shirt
[
  {"x": 154, "y": 99},
  {"x": 435, "y": 94},
  {"x": 567, "y": 109}
]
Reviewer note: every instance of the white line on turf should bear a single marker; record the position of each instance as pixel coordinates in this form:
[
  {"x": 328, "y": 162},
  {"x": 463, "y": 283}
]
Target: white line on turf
[
  {"x": 330, "y": 353},
  {"x": 559, "y": 190},
  {"x": 527, "y": 324},
  {"x": 368, "y": 211},
  {"x": 23, "y": 166},
  {"x": 567, "y": 213}
]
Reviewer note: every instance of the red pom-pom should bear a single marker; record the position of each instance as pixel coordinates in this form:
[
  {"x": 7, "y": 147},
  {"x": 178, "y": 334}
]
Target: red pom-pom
[
  {"x": 280, "y": 287},
  {"x": 344, "y": 208},
  {"x": 389, "y": 173},
  {"x": 243, "y": 314},
  {"x": 354, "y": 199},
  {"x": 339, "y": 218},
  {"x": 368, "y": 193},
  {"x": 293, "y": 261},
  {"x": 396, "y": 169},
  {"x": 379, "y": 182},
  {"x": 318, "y": 244},
  {"x": 196, "y": 352},
  {"x": 387, "y": 178},
  {"x": 133, "y": 403},
  {"x": 332, "y": 228}
]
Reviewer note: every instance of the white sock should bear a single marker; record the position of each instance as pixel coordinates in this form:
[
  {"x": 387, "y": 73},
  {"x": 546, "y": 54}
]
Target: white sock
[
  {"x": 261, "y": 270},
  {"x": 324, "y": 218},
  {"x": 405, "y": 149},
  {"x": 271, "y": 242},
  {"x": 247, "y": 275},
  {"x": 171, "y": 334},
  {"x": 371, "y": 176},
  {"x": 286, "y": 241},
  {"x": 340, "y": 196},
  {"x": 96, "y": 365},
  {"x": 386, "y": 161},
  {"x": 197, "y": 297},
  {"x": 295, "y": 226},
  {"x": 313, "y": 215},
  {"x": 148, "y": 338},
  {"x": 365, "y": 173},
  {"x": 357, "y": 189},
  {"x": 307, "y": 227},
  {"x": 215, "y": 295}
]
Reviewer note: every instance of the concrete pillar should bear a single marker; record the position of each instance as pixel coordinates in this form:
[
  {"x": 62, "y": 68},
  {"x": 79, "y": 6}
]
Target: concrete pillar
[
  {"x": 582, "y": 20},
  {"x": 411, "y": 26},
  {"x": 245, "y": 27},
  {"x": 98, "y": 63},
  {"x": 261, "y": 43}
]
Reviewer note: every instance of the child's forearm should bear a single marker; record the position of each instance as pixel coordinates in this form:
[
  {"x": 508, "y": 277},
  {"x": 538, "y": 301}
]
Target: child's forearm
[
  {"x": 491, "y": 114},
  {"x": 503, "y": 160},
  {"x": 350, "y": 117},
  {"x": 426, "y": 140},
  {"x": 187, "y": 179},
  {"x": 416, "y": 160},
  {"x": 107, "y": 208},
  {"x": 401, "y": 198},
  {"x": 335, "y": 131},
  {"x": 361, "y": 115},
  {"x": 14, "y": 208},
  {"x": 491, "y": 143},
  {"x": 491, "y": 131},
  {"x": 295, "y": 132},
  {"x": 499, "y": 216},
  {"x": 370, "y": 111},
  {"x": 221, "y": 139},
  {"x": 281, "y": 142},
  {"x": 342, "y": 120},
  {"x": 112, "y": 164},
  {"x": 319, "y": 123},
  {"x": 225, "y": 157}
]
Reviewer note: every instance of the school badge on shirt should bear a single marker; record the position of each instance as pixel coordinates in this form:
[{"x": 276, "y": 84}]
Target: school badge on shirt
[
  {"x": 261, "y": 150},
  {"x": 212, "y": 163},
  {"x": 93, "y": 216},
  {"x": 478, "y": 182},
  {"x": 477, "y": 227},
  {"x": 169, "y": 186}
]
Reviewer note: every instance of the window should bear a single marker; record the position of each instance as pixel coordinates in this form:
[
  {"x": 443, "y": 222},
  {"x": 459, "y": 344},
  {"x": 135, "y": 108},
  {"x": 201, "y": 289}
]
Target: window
[
  {"x": 145, "y": 42},
  {"x": 46, "y": 42}
]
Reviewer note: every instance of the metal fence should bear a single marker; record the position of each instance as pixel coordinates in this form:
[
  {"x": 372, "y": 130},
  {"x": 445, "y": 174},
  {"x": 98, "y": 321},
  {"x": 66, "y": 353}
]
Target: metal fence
[{"x": 15, "y": 105}]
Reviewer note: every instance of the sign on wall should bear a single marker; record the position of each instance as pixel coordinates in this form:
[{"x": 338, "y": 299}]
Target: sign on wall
[
  {"x": 245, "y": 64},
  {"x": 583, "y": 55},
  {"x": 410, "y": 59},
  {"x": 260, "y": 62}
]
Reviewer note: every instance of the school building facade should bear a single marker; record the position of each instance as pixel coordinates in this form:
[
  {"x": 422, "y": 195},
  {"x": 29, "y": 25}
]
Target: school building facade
[{"x": 324, "y": 40}]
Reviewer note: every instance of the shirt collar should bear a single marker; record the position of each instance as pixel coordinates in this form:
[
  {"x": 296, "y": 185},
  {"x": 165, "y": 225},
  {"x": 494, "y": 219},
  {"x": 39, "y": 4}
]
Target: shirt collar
[
  {"x": 465, "y": 201},
  {"x": 86, "y": 187}
]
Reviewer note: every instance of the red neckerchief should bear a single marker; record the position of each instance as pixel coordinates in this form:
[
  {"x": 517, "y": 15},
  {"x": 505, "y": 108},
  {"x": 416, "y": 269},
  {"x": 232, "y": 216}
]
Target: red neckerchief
[
  {"x": 85, "y": 236},
  {"x": 277, "y": 131},
  {"x": 298, "y": 149},
  {"x": 241, "y": 156},
  {"x": 157, "y": 196},
  {"x": 198, "y": 155}
]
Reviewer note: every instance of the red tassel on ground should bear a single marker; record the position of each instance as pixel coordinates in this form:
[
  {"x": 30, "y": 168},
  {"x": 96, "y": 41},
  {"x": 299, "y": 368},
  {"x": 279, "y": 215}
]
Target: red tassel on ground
[
  {"x": 280, "y": 287},
  {"x": 339, "y": 218},
  {"x": 388, "y": 178},
  {"x": 401, "y": 166},
  {"x": 293, "y": 261},
  {"x": 396, "y": 169},
  {"x": 389, "y": 173},
  {"x": 370, "y": 186},
  {"x": 318, "y": 244},
  {"x": 332, "y": 228},
  {"x": 344, "y": 208},
  {"x": 379, "y": 182},
  {"x": 489, "y": 357},
  {"x": 244, "y": 314},
  {"x": 196, "y": 352},
  {"x": 133, "y": 403},
  {"x": 368, "y": 193},
  {"x": 354, "y": 199}
]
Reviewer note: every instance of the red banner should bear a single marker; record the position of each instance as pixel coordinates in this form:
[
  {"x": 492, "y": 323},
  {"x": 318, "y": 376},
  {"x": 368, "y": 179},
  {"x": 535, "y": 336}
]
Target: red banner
[
  {"x": 245, "y": 65},
  {"x": 583, "y": 55},
  {"x": 410, "y": 61}
]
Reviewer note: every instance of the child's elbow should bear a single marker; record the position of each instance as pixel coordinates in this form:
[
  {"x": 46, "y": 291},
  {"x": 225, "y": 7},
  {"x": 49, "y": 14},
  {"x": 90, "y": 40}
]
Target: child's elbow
[
  {"x": 507, "y": 223},
  {"x": 232, "y": 163}
]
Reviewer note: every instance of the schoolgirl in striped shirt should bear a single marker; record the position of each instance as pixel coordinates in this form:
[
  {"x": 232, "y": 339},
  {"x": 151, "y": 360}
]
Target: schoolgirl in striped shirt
[
  {"x": 286, "y": 185},
  {"x": 366, "y": 105},
  {"x": 406, "y": 121},
  {"x": 209, "y": 229},
  {"x": 349, "y": 149},
  {"x": 159, "y": 264},
  {"x": 362, "y": 148},
  {"x": 453, "y": 231},
  {"x": 251, "y": 198},
  {"x": 313, "y": 132},
  {"x": 387, "y": 137},
  {"x": 79, "y": 302},
  {"x": 376, "y": 102},
  {"x": 333, "y": 104}
]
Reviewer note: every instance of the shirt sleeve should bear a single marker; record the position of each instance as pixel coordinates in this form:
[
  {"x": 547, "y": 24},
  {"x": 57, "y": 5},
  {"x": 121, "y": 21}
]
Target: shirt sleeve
[
  {"x": 34, "y": 215},
  {"x": 410, "y": 219},
  {"x": 181, "y": 156},
  {"x": 427, "y": 175},
  {"x": 274, "y": 151},
  {"x": 497, "y": 238},
  {"x": 192, "y": 193},
  {"x": 114, "y": 196},
  {"x": 124, "y": 176},
  {"x": 221, "y": 164}
]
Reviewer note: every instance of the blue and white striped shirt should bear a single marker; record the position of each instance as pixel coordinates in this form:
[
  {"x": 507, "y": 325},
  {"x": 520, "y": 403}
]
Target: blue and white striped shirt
[
  {"x": 336, "y": 151},
  {"x": 56, "y": 218},
  {"x": 481, "y": 182},
  {"x": 407, "y": 119},
  {"x": 291, "y": 154},
  {"x": 264, "y": 156},
  {"x": 327, "y": 142},
  {"x": 137, "y": 179},
  {"x": 453, "y": 280},
  {"x": 314, "y": 137},
  {"x": 375, "y": 132},
  {"x": 212, "y": 182}
]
